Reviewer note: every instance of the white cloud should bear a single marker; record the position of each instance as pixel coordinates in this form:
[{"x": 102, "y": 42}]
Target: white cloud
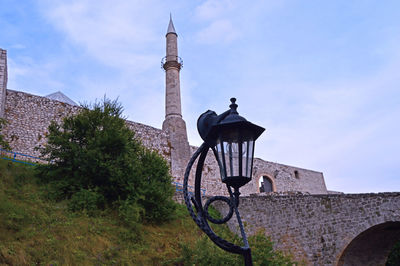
[
  {"x": 219, "y": 16},
  {"x": 126, "y": 38},
  {"x": 220, "y": 31},
  {"x": 117, "y": 33},
  {"x": 213, "y": 9}
]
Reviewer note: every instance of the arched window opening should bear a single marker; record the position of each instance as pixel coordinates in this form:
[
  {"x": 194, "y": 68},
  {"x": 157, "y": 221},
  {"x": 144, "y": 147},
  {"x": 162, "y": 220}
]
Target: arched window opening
[
  {"x": 265, "y": 184},
  {"x": 296, "y": 174}
]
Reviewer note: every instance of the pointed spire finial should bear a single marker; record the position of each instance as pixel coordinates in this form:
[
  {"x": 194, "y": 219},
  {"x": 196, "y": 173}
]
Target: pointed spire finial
[{"x": 171, "y": 28}]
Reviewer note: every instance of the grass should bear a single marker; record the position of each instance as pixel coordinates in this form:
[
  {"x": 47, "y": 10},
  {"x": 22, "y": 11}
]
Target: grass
[{"x": 35, "y": 230}]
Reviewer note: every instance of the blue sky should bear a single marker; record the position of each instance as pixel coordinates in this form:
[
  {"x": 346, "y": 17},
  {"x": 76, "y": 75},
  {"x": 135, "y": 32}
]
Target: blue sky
[{"x": 321, "y": 76}]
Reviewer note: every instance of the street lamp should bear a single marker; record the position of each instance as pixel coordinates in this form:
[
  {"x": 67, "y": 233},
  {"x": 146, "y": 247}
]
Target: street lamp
[{"x": 232, "y": 139}]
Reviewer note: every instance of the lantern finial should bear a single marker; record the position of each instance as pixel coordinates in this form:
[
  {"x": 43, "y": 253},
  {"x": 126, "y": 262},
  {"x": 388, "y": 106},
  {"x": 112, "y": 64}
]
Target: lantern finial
[{"x": 233, "y": 106}]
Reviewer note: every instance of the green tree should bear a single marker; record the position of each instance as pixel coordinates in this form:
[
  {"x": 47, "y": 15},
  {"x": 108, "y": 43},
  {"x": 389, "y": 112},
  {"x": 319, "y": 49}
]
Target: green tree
[
  {"x": 94, "y": 152},
  {"x": 3, "y": 144}
]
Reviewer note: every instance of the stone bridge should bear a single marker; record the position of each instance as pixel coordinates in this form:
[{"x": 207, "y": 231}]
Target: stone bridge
[{"x": 340, "y": 229}]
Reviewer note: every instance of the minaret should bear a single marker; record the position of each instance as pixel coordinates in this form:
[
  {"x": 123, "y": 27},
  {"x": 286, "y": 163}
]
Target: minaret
[
  {"x": 3, "y": 81},
  {"x": 173, "y": 123}
]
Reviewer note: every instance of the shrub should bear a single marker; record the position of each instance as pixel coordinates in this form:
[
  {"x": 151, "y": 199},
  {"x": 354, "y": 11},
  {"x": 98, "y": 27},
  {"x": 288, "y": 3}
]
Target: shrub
[
  {"x": 263, "y": 253},
  {"x": 86, "y": 200},
  {"x": 205, "y": 252},
  {"x": 56, "y": 190},
  {"x": 155, "y": 189},
  {"x": 96, "y": 151},
  {"x": 131, "y": 213}
]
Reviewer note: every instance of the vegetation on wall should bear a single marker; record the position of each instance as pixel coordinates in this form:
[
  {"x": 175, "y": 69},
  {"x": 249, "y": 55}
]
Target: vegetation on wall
[
  {"x": 98, "y": 163},
  {"x": 3, "y": 142}
]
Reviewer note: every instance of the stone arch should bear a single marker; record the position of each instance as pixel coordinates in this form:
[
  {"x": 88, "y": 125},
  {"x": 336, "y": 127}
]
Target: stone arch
[
  {"x": 372, "y": 246},
  {"x": 267, "y": 176}
]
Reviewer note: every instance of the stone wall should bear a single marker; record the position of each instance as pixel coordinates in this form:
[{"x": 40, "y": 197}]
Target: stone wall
[
  {"x": 282, "y": 176},
  {"x": 29, "y": 117},
  {"x": 152, "y": 138},
  {"x": 285, "y": 178},
  {"x": 3, "y": 80},
  {"x": 324, "y": 229},
  {"x": 211, "y": 180}
]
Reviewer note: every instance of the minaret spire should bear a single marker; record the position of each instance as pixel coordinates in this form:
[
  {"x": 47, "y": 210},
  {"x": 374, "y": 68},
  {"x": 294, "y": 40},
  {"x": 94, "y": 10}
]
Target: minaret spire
[
  {"x": 172, "y": 64},
  {"x": 171, "y": 28},
  {"x": 173, "y": 123}
]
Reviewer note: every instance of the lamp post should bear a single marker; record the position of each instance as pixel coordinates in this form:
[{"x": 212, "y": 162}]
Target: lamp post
[{"x": 232, "y": 139}]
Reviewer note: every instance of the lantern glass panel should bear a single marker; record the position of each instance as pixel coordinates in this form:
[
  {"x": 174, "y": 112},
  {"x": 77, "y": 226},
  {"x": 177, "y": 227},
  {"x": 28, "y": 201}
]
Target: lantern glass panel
[
  {"x": 234, "y": 152},
  {"x": 235, "y": 159},
  {"x": 221, "y": 159},
  {"x": 247, "y": 157},
  {"x": 244, "y": 162},
  {"x": 232, "y": 156},
  {"x": 228, "y": 158}
]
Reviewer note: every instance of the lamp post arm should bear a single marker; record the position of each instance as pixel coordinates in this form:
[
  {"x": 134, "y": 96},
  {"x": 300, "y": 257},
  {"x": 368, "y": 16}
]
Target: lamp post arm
[{"x": 200, "y": 214}]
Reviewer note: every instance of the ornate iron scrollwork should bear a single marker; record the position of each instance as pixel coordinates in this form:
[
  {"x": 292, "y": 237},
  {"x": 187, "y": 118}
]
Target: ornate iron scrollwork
[{"x": 200, "y": 214}]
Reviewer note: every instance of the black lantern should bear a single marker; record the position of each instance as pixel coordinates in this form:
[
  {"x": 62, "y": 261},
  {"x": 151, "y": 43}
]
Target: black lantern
[{"x": 232, "y": 139}]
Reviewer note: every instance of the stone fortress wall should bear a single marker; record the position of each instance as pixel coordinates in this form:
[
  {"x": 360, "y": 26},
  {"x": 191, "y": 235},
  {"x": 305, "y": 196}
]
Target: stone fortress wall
[
  {"x": 285, "y": 179},
  {"x": 28, "y": 118},
  {"x": 341, "y": 229},
  {"x": 30, "y": 115},
  {"x": 318, "y": 229},
  {"x": 3, "y": 80}
]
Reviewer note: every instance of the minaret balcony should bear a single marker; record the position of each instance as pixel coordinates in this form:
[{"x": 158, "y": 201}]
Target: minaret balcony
[{"x": 171, "y": 61}]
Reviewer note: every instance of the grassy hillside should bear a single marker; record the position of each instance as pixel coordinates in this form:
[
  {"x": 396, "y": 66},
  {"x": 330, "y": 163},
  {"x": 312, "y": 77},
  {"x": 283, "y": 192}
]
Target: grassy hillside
[{"x": 35, "y": 230}]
